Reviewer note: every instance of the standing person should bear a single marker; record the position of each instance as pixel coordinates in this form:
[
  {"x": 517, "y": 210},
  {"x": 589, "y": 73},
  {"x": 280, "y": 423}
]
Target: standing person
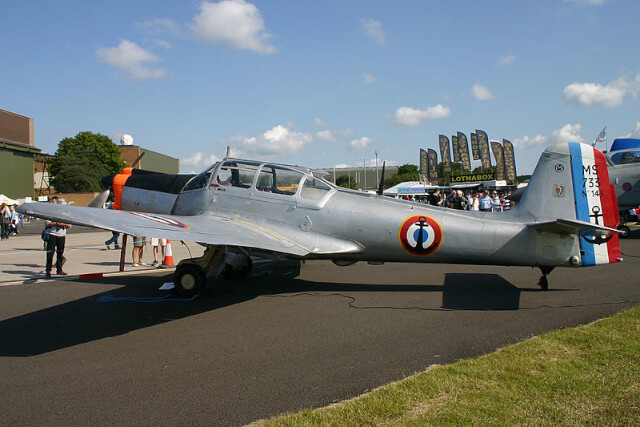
[
  {"x": 13, "y": 220},
  {"x": 435, "y": 199},
  {"x": 458, "y": 201},
  {"x": 485, "y": 202},
  {"x": 57, "y": 236},
  {"x": 5, "y": 217},
  {"x": 496, "y": 204},
  {"x": 114, "y": 235},
  {"x": 473, "y": 203},
  {"x": 113, "y": 240},
  {"x": 138, "y": 250},
  {"x": 506, "y": 202},
  {"x": 154, "y": 243}
]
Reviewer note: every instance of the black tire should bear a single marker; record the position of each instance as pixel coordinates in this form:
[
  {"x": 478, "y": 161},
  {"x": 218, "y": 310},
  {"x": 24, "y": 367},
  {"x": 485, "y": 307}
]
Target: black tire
[
  {"x": 626, "y": 231},
  {"x": 543, "y": 283},
  {"x": 189, "y": 280}
]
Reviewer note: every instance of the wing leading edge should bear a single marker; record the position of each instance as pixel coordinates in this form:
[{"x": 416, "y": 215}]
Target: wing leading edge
[{"x": 207, "y": 228}]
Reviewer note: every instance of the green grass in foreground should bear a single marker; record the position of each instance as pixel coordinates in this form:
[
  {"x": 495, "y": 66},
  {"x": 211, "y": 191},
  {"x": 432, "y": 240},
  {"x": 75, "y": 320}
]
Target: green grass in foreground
[{"x": 584, "y": 375}]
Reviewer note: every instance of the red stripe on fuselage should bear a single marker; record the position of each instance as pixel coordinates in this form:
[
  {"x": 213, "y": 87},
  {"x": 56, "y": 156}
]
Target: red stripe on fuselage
[{"x": 609, "y": 201}]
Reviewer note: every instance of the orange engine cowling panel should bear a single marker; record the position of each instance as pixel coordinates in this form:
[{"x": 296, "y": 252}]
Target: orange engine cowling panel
[{"x": 118, "y": 184}]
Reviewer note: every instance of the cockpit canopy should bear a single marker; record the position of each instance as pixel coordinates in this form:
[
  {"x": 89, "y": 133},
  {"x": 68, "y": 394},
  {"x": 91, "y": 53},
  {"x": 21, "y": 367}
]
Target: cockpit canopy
[
  {"x": 625, "y": 151},
  {"x": 265, "y": 177}
]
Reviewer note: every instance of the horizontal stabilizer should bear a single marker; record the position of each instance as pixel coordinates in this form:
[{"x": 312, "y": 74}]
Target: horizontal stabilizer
[{"x": 571, "y": 226}]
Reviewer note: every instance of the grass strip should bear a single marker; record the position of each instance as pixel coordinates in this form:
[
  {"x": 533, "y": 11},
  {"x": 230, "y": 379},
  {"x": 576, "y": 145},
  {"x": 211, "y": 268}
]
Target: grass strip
[{"x": 584, "y": 375}]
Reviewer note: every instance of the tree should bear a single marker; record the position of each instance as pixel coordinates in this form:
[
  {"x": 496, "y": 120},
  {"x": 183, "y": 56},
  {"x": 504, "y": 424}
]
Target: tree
[
  {"x": 343, "y": 181},
  {"x": 80, "y": 162},
  {"x": 405, "y": 173}
]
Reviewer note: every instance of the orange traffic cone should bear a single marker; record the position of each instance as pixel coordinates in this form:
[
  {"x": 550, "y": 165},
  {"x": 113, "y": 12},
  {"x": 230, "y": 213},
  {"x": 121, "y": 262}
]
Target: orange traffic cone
[{"x": 168, "y": 255}]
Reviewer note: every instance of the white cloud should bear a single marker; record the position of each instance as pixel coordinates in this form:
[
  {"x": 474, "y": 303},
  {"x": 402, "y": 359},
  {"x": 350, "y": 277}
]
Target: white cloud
[
  {"x": 163, "y": 44},
  {"x": 568, "y": 133},
  {"x": 319, "y": 122},
  {"x": 159, "y": 26},
  {"x": 276, "y": 141},
  {"x": 586, "y": 2},
  {"x": 198, "y": 161},
  {"x": 481, "y": 93},
  {"x": 132, "y": 59},
  {"x": 608, "y": 96},
  {"x": 507, "y": 60},
  {"x": 232, "y": 23},
  {"x": 360, "y": 144},
  {"x": 326, "y": 135},
  {"x": 373, "y": 29},
  {"x": 409, "y": 116},
  {"x": 369, "y": 78}
]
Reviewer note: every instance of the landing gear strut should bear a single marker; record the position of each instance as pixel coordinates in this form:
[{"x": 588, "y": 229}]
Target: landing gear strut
[
  {"x": 543, "y": 282},
  {"x": 190, "y": 275}
]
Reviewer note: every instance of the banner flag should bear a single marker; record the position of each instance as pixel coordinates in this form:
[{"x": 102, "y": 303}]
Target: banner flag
[
  {"x": 454, "y": 149},
  {"x": 463, "y": 148},
  {"x": 433, "y": 166},
  {"x": 423, "y": 174},
  {"x": 509, "y": 162},
  {"x": 498, "y": 153},
  {"x": 483, "y": 146},
  {"x": 474, "y": 146},
  {"x": 445, "y": 153}
]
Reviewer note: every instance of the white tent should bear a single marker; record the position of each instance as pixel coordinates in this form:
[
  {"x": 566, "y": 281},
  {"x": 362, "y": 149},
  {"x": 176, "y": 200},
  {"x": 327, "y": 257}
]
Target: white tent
[
  {"x": 409, "y": 188},
  {"x": 7, "y": 200}
]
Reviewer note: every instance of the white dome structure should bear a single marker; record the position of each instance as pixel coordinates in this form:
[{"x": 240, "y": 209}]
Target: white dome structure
[{"x": 126, "y": 139}]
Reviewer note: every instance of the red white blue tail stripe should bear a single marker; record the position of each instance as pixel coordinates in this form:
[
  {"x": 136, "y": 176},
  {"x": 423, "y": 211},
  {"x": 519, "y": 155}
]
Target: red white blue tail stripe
[{"x": 595, "y": 201}]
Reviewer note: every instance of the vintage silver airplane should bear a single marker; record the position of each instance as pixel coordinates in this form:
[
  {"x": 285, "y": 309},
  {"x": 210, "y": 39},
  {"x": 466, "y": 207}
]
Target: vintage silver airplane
[
  {"x": 624, "y": 172},
  {"x": 237, "y": 208}
]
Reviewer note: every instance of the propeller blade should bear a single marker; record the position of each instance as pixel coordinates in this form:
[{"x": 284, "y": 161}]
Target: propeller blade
[{"x": 100, "y": 199}]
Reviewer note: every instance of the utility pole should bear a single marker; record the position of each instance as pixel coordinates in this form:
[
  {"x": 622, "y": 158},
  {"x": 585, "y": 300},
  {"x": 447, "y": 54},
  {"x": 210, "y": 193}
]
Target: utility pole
[{"x": 364, "y": 172}]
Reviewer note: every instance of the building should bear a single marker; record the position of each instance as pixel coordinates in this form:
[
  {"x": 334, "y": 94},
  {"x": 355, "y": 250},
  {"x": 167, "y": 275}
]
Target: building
[
  {"x": 150, "y": 160},
  {"x": 16, "y": 155}
]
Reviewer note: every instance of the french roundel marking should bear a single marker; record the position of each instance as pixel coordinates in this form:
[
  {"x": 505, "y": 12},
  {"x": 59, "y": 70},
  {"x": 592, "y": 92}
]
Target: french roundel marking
[
  {"x": 420, "y": 235},
  {"x": 162, "y": 220}
]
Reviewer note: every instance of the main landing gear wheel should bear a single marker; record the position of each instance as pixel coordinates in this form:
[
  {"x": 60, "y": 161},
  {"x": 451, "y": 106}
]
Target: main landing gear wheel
[{"x": 188, "y": 280}]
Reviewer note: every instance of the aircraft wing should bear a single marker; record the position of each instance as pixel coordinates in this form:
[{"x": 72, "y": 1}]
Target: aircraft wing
[
  {"x": 570, "y": 226},
  {"x": 206, "y": 228}
]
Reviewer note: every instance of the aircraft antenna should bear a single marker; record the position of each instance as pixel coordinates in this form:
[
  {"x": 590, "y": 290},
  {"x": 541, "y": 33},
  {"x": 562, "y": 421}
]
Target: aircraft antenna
[
  {"x": 226, "y": 156},
  {"x": 381, "y": 186}
]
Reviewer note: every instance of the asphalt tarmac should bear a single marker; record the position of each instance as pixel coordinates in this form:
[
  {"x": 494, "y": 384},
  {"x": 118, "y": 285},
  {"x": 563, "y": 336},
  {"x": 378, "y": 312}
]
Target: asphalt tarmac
[{"x": 111, "y": 351}]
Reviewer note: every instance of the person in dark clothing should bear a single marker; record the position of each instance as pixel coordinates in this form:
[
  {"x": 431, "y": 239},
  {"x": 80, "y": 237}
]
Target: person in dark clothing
[
  {"x": 55, "y": 244},
  {"x": 435, "y": 199}
]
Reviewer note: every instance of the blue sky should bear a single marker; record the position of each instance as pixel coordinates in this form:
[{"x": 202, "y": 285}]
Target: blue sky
[{"x": 322, "y": 83}]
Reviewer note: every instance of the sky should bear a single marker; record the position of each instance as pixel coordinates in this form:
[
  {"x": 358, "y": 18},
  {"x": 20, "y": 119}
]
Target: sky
[{"x": 322, "y": 83}]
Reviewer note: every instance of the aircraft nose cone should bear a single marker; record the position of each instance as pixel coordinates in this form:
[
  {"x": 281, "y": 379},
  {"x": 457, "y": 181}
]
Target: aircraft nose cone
[{"x": 107, "y": 181}]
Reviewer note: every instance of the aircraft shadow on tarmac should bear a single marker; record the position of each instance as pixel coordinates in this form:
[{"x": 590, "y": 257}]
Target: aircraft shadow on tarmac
[{"x": 87, "y": 319}]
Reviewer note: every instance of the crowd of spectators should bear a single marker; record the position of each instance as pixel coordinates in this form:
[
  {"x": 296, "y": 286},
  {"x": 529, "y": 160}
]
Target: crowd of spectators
[{"x": 481, "y": 200}]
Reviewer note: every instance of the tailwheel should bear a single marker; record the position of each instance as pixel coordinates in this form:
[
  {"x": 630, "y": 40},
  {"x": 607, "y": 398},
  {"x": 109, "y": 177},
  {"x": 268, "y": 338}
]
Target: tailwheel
[
  {"x": 188, "y": 280},
  {"x": 626, "y": 231},
  {"x": 544, "y": 282}
]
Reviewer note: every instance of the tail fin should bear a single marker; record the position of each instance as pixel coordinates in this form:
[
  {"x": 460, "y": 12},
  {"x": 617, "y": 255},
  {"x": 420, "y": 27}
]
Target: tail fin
[{"x": 571, "y": 182}]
